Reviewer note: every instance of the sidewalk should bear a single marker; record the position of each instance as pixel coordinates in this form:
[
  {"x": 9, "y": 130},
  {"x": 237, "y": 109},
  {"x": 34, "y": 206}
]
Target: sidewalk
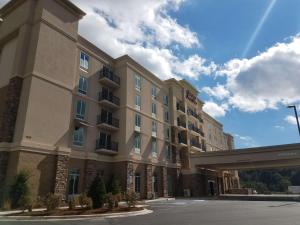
[{"x": 257, "y": 197}]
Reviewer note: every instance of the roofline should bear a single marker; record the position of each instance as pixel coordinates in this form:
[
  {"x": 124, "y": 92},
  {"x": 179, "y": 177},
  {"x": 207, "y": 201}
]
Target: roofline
[
  {"x": 213, "y": 119},
  {"x": 184, "y": 81},
  {"x": 72, "y": 7}
]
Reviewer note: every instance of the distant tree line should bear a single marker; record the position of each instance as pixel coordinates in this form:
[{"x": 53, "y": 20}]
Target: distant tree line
[{"x": 270, "y": 180}]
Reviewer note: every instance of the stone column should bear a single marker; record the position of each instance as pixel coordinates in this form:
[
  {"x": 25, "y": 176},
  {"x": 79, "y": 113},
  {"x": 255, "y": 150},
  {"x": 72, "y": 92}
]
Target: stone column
[
  {"x": 61, "y": 176},
  {"x": 130, "y": 175},
  {"x": 11, "y": 109},
  {"x": 148, "y": 181},
  {"x": 164, "y": 173}
]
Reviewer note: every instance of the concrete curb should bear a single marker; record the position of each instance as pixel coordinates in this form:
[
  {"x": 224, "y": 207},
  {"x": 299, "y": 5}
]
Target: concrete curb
[
  {"x": 75, "y": 217},
  {"x": 159, "y": 200}
]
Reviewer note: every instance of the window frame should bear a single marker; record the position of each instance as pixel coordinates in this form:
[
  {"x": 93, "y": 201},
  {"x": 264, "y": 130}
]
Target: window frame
[
  {"x": 81, "y": 114},
  {"x": 79, "y": 142},
  {"x": 138, "y": 82},
  {"x": 137, "y": 183},
  {"x": 137, "y": 143},
  {"x": 85, "y": 84},
  {"x": 138, "y": 102},
  {"x": 84, "y": 61},
  {"x": 154, "y": 149},
  {"x": 154, "y": 109}
]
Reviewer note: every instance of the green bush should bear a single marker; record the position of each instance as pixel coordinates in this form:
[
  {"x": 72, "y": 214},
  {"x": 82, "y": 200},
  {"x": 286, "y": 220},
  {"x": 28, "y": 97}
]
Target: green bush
[
  {"x": 85, "y": 201},
  {"x": 97, "y": 192},
  {"x": 19, "y": 191},
  {"x": 72, "y": 203},
  {"x": 52, "y": 201},
  {"x": 114, "y": 186},
  {"x": 110, "y": 200},
  {"x": 131, "y": 199}
]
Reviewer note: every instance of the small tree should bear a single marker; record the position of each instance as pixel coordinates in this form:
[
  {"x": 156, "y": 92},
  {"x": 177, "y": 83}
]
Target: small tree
[
  {"x": 97, "y": 192},
  {"x": 115, "y": 187},
  {"x": 131, "y": 199},
  {"x": 19, "y": 191}
]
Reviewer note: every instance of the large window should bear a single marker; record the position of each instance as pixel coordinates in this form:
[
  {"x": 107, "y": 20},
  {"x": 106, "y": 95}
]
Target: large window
[
  {"x": 154, "y": 109},
  {"x": 137, "y": 121},
  {"x": 84, "y": 61},
  {"x": 154, "y": 92},
  {"x": 138, "y": 102},
  {"x": 78, "y": 136},
  {"x": 167, "y": 133},
  {"x": 82, "y": 86},
  {"x": 137, "y": 183},
  {"x": 137, "y": 143},
  {"x": 166, "y": 114},
  {"x": 73, "y": 181},
  {"x": 137, "y": 80},
  {"x": 155, "y": 183},
  {"x": 80, "y": 109},
  {"x": 166, "y": 100},
  {"x": 168, "y": 152},
  {"x": 154, "y": 128},
  {"x": 154, "y": 147}
]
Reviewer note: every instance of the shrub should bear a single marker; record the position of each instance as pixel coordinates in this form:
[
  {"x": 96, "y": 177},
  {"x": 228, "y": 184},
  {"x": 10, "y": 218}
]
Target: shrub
[
  {"x": 6, "y": 205},
  {"x": 131, "y": 199},
  {"x": 110, "y": 200},
  {"x": 19, "y": 191},
  {"x": 114, "y": 186},
  {"x": 85, "y": 201},
  {"x": 72, "y": 203},
  {"x": 97, "y": 192},
  {"x": 39, "y": 202},
  {"x": 52, "y": 201}
]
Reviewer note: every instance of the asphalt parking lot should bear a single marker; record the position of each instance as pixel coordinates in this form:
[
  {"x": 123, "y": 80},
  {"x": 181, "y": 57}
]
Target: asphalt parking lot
[{"x": 198, "y": 212}]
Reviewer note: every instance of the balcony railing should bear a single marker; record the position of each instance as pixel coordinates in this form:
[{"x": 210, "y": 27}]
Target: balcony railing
[
  {"x": 202, "y": 133},
  {"x": 109, "y": 97},
  {"x": 194, "y": 128},
  {"x": 194, "y": 114},
  {"x": 181, "y": 139},
  {"x": 180, "y": 107},
  {"x": 107, "y": 73},
  {"x": 108, "y": 120},
  {"x": 103, "y": 144},
  {"x": 195, "y": 144},
  {"x": 181, "y": 123}
]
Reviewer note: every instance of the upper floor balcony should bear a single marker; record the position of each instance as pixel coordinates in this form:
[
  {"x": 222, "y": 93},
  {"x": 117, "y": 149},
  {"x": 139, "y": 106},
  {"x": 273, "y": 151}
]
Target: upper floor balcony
[
  {"x": 180, "y": 107},
  {"x": 108, "y": 99},
  {"x": 107, "y": 122},
  {"x": 181, "y": 124},
  {"x": 108, "y": 78},
  {"x": 106, "y": 147},
  {"x": 194, "y": 114},
  {"x": 182, "y": 141},
  {"x": 195, "y": 145},
  {"x": 194, "y": 129}
]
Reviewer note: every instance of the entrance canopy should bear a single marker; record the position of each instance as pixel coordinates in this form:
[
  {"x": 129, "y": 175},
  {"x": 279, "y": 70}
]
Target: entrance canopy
[{"x": 249, "y": 158}]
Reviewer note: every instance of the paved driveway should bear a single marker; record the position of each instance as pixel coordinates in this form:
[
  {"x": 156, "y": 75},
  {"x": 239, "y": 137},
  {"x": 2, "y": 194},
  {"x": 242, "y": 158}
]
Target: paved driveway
[{"x": 198, "y": 212}]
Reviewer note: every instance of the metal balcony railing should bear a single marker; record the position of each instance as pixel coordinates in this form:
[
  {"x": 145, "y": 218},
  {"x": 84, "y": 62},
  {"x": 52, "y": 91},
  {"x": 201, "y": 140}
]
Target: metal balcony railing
[
  {"x": 180, "y": 107},
  {"x": 109, "y": 97},
  {"x": 195, "y": 144},
  {"x": 181, "y": 139},
  {"x": 102, "y": 118},
  {"x": 107, "y": 73},
  {"x": 194, "y": 114},
  {"x": 103, "y": 144},
  {"x": 181, "y": 123},
  {"x": 194, "y": 128}
]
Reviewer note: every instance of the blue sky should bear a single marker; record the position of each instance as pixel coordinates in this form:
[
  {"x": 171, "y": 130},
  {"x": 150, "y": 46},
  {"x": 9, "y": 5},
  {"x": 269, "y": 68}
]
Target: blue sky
[{"x": 242, "y": 55}]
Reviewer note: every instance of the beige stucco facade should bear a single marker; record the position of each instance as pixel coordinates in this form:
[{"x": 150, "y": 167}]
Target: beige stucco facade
[{"x": 40, "y": 69}]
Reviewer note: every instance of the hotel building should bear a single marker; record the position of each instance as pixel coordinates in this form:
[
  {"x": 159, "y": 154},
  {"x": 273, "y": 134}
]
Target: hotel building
[{"x": 69, "y": 111}]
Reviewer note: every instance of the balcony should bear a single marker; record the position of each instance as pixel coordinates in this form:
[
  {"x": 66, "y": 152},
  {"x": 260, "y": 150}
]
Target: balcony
[
  {"x": 181, "y": 124},
  {"x": 106, "y": 147},
  {"x": 182, "y": 141},
  {"x": 194, "y": 114},
  {"x": 108, "y": 78},
  {"x": 195, "y": 145},
  {"x": 109, "y": 100},
  {"x": 194, "y": 129},
  {"x": 180, "y": 107},
  {"x": 107, "y": 123}
]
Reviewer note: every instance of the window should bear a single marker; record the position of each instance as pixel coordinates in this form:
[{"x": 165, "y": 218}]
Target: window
[
  {"x": 82, "y": 86},
  {"x": 154, "y": 128},
  {"x": 153, "y": 108},
  {"x": 137, "y": 80},
  {"x": 166, "y": 115},
  {"x": 167, "y": 133},
  {"x": 137, "y": 122},
  {"x": 137, "y": 143},
  {"x": 154, "y": 92},
  {"x": 168, "y": 152},
  {"x": 138, "y": 102},
  {"x": 73, "y": 181},
  {"x": 154, "y": 147},
  {"x": 78, "y": 136},
  {"x": 166, "y": 100},
  {"x": 155, "y": 183},
  {"x": 137, "y": 183},
  {"x": 80, "y": 109},
  {"x": 84, "y": 61}
]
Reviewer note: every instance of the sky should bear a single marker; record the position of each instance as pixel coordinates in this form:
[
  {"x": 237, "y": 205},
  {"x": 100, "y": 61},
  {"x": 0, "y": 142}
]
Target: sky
[{"x": 242, "y": 55}]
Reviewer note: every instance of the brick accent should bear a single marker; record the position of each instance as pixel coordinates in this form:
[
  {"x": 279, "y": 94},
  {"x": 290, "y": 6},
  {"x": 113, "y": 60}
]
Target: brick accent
[
  {"x": 61, "y": 175},
  {"x": 148, "y": 182},
  {"x": 130, "y": 175},
  {"x": 11, "y": 109},
  {"x": 164, "y": 181}
]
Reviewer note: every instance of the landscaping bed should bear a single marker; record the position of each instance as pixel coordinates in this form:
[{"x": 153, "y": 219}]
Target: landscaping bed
[{"x": 78, "y": 211}]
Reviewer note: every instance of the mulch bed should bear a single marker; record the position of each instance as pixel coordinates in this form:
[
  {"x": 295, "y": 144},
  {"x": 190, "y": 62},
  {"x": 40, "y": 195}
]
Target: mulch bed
[{"x": 77, "y": 211}]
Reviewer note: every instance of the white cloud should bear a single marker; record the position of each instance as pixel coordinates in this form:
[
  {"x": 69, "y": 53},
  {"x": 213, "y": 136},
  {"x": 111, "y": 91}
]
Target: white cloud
[
  {"x": 219, "y": 92},
  {"x": 264, "y": 81},
  {"x": 3, "y": 2},
  {"x": 246, "y": 141},
  {"x": 214, "y": 110},
  {"x": 145, "y": 31},
  {"x": 291, "y": 119},
  {"x": 279, "y": 127}
]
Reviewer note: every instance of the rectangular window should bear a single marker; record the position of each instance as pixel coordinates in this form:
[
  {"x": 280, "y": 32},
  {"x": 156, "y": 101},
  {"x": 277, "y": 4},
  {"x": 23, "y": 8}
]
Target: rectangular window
[
  {"x": 137, "y": 80},
  {"x": 138, "y": 102},
  {"x": 154, "y": 128},
  {"x": 153, "y": 109},
  {"x": 137, "y": 143},
  {"x": 167, "y": 133},
  {"x": 82, "y": 86},
  {"x": 166, "y": 100},
  {"x": 80, "y": 109},
  {"x": 166, "y": 115},
  {"x": 84, "y": 61},
  {"x": 137, "y": 183},
  {"x": 154, "y": 147},
  {"x": 168, "y": 152},
  {"x": 137, "y": 121},
  {"x": 73, "y": 181},
  {"x": 154, "y": 92},
  {"x": 78, "y": 136}
]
